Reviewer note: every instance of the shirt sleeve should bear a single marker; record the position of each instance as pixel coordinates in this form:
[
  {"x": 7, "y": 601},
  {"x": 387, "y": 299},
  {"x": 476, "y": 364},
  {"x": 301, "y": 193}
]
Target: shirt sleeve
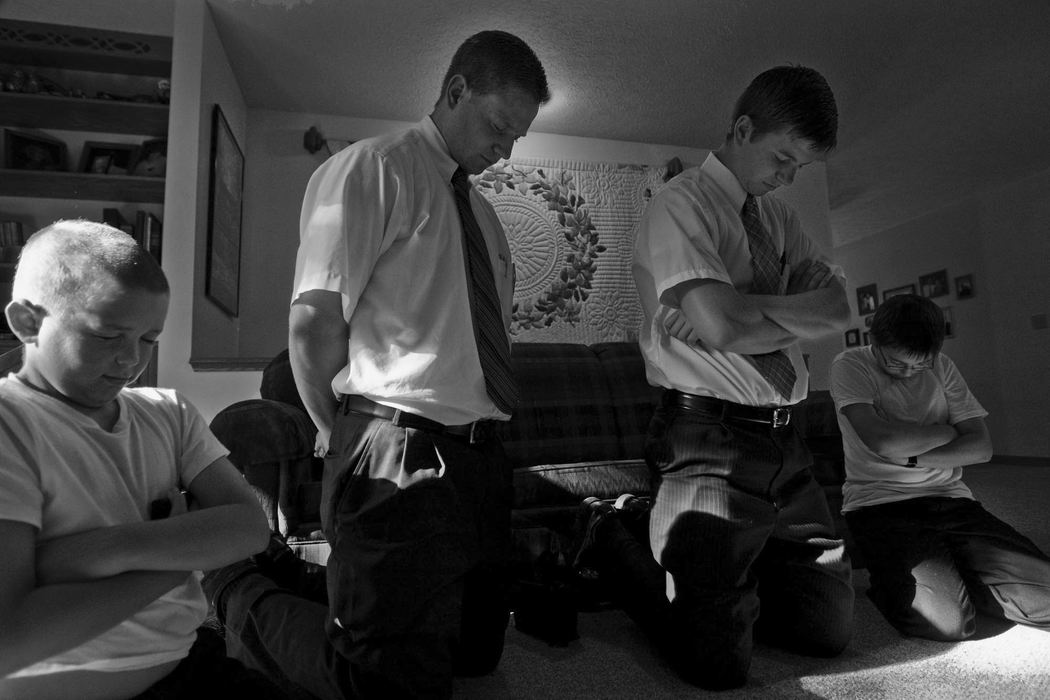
[
  {"x": 799, "y": 247},
  {"x": 962, "y": 404},
  {"x": 347, "y": 211},
  {"x": 21, "y": 494},
  {"x": 199, "y": 446},
  {"x": 851, "y": 382},
  {"x": 681, "y": 246}
]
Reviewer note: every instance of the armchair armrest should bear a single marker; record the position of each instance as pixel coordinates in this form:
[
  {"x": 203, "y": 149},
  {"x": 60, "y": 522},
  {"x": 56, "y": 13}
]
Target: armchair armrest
[{"x": 272, "y": 444}]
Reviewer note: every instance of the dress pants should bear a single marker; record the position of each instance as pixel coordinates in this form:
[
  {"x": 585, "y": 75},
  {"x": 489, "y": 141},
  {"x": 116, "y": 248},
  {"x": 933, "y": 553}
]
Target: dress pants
[
  {"x": 746, "y": 538},
  {"x": 417, "y": 580},
  {"x": 935, "y": 561}
]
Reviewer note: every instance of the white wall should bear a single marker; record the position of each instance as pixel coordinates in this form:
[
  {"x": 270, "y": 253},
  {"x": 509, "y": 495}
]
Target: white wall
[
  {"x": 1001, "y": 238},
  {"x": 201, "y": 75}
]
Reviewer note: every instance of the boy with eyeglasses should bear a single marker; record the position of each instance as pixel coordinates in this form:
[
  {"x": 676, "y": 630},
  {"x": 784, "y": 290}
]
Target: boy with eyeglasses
[{"x": 909, "y": 425}]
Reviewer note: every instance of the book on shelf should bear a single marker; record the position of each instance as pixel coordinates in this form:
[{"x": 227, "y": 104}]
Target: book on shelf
[{"x": 146, "y": 230}]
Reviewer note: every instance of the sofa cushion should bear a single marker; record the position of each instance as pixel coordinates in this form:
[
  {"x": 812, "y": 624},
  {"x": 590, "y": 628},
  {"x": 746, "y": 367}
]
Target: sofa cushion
[
  {"x": 568, "y": 484},
  {"x": 565, "y": 413}
]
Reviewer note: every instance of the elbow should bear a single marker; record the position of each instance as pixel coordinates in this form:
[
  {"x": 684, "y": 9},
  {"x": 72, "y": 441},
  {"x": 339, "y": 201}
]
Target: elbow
[
  {"x": 984, "y": 453},
  {"x": 839, "y": 315}
]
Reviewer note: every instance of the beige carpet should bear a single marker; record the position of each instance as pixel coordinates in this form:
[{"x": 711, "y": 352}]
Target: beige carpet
[{"x": 612, "y": 660}]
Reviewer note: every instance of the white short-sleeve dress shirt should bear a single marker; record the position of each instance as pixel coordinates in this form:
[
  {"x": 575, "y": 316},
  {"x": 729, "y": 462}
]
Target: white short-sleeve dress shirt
[
  {"x": 379, "y": 226},
  {"x": 692, "y": 231}
]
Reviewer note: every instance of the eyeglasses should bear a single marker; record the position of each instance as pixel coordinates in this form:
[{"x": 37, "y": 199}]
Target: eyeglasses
[{"x": 898, "y": 366}]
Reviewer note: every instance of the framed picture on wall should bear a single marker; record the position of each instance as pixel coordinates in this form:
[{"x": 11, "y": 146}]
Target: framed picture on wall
[
  {"x": 934, "y": 284},
  {"x": 852, "y": 337},
  {"x": 224, "y": 216},
  {"x": 949, "y": 322},
  {"x": 867, "y": 299},
  {"x": 964, "y": 288},
  {"x": 903, "y": 289}
]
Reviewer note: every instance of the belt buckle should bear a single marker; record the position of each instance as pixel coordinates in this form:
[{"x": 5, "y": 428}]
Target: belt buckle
[{"x": 781, "y": 417}]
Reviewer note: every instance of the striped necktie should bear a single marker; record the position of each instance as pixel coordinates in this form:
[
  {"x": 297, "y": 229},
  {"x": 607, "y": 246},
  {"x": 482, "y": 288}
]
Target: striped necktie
[
  {"x": 489, "y": 332},
  {"x": 775, "y": 366}
]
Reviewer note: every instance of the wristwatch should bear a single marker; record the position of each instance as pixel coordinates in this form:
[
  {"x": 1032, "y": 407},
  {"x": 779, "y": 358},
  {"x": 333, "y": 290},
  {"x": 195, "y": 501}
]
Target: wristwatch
[{"x": 913, "y": 461}]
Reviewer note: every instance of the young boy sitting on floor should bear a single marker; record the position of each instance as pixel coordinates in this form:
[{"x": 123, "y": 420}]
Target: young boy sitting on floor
[{"x": 99, "y": 598}]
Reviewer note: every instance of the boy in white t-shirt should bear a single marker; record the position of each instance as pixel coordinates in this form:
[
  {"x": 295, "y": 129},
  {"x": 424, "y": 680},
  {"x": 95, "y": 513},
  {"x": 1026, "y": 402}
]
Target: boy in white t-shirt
[
  {"x": 100, "y": 593},
  {"x": 909, "y": 425}
]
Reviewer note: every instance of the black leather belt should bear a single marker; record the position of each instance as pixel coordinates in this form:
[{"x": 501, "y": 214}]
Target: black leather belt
[
  {"x": 474, "y": 433},
  {"x": 776, "y": 417}
]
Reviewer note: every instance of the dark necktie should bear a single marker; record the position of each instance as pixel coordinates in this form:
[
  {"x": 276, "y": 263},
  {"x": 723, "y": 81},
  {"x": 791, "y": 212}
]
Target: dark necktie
[
  {"x": 775, "y": 366},
  {"x": 489, "y": 332}
]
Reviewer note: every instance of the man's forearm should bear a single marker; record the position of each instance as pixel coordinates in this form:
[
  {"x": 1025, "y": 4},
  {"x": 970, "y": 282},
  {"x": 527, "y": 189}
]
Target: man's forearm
[
  {"x": 964, "y": 450},
  {"x": 52, "y": 619},
  {"x": 807, "y": 315},
  {"x": 898, "y": 441},
  {"x": 195, "y": 541}
]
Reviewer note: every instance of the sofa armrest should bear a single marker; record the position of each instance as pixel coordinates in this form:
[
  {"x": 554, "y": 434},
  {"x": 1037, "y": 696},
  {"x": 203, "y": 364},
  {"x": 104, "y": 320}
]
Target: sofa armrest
[{"x": 272, "y": 444}]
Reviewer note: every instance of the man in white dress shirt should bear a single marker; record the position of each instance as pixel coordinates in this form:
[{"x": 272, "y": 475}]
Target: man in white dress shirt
[{"x": 390, "y": 354}]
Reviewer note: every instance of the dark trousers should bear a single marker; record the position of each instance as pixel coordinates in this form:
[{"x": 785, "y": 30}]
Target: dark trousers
[
  {"x": 419, "y": 525},
  {"x": 934, "y": 562},
  {"x": 739, "y": 521},
  {"x": 207, "y": 672}
]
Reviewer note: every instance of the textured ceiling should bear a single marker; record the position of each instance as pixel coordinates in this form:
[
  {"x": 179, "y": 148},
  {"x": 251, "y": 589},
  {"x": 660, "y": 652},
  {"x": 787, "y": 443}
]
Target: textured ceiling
[{"x": 937, "y": 99}]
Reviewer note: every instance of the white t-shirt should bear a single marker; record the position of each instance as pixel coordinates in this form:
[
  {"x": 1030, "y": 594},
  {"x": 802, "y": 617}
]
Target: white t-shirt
[
  {"x": 62, "y": 473},
  {"x": 692, "y": 231},
  {"x": 380, "y": 226},
  {"x": 938, "y": 396}
]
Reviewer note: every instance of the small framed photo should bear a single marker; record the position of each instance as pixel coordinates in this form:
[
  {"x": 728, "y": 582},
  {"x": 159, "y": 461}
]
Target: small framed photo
[
  {"x": 152, "y": 158},
  {"x": 903, "y": 289},
  {"x": 949, "y": 322},
  {"x": 934, "y": 284},
  {"x": 853, "y": 337},
  {"x": 102, "y": 158},
  {"x": 25, "y": 150},
  {"x": 867, "y": 320},
  {"x": 867, "y": 299},
  {"x": 865, "y": 338},
  {"x": 964, "y": 288}
]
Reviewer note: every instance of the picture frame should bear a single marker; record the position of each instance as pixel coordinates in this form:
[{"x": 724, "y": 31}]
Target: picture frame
[
  {"x": 964, "y": 287},
  {"x": 223, "y": 273},
  {"x": 152, "y": 159},
  {"x": 903, "y": 289},
  {"x": 852, "y": 337},
  {"x": 30, "y": 150},
  {"x": 934, "y": 284},
  {"x": 865, "y": 338},
  {"x": 949, "y": 321},
  {"x": 104, "y": 158},
  {"x": 868, "y": 320},
  {"x": 867, "y": 299}
]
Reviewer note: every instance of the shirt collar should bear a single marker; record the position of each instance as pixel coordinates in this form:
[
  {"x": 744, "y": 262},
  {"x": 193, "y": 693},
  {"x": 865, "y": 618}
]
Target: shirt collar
[
  {"x": 442, "y": 157},
  {"x": 725, "y": 180}
]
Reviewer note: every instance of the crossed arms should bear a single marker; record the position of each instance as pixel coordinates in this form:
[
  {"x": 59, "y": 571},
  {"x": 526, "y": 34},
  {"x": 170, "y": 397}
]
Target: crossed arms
[
  {"x": 938, "y": 446},
  {"x": 716, "y": 314},
  {"x": 71, "y": 589}
]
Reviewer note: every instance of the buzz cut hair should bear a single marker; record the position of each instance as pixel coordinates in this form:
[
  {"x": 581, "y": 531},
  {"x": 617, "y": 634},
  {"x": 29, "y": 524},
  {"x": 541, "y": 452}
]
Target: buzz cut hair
[{"x": 66, "y": 264}]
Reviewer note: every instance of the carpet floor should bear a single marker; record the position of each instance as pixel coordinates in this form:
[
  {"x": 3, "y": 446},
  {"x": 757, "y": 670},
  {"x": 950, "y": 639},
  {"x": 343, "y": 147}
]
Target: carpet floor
[{"x": 613, "y": 660}]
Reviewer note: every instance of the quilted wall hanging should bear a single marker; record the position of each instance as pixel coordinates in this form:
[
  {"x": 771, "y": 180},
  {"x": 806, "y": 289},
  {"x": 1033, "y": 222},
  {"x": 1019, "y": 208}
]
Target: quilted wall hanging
[{"x": 571, "y": 231}]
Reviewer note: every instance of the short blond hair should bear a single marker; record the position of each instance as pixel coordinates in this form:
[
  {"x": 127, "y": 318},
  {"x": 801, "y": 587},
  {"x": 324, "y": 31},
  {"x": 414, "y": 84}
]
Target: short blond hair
[{"x": 65, "y": 264}]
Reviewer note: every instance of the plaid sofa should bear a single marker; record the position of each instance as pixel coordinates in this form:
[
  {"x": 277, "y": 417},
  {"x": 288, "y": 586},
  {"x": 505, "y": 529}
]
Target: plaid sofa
[{"x": 579, "y": 431}]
